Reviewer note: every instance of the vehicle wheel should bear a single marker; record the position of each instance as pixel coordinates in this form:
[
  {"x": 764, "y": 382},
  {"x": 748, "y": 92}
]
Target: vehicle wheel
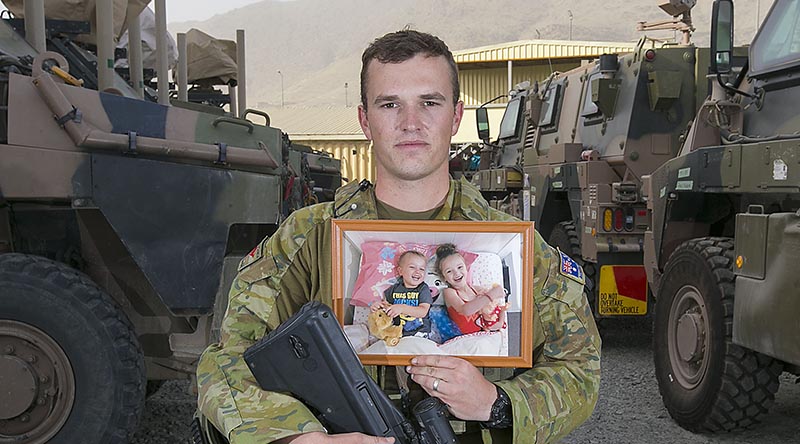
[
  {"x": 74, "y": 366},
  {"x": 203, "y": 431},
  {"x": 565, "y": 237},
  {"x": 707, "y": 383}
]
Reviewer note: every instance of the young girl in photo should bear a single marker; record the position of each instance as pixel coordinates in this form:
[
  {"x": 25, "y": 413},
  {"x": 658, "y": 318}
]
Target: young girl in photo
[{"x": 472, "y": 308}]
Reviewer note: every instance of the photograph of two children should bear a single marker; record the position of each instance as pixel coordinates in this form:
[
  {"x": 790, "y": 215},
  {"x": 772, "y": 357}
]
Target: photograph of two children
[{"x": 407, "y": 288}]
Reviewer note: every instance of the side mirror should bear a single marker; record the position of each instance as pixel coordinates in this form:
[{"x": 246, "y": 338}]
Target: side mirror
[
  {"x": 482, "y": 119},
  {"x": 721, "y": 36}
]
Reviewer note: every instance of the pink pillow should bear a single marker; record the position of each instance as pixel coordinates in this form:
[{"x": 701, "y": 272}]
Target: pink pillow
[{"x": 377, "y": 271}]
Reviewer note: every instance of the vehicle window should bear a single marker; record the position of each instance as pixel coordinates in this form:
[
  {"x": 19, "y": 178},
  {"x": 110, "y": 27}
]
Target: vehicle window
[
  {"x": 549, "y": 105},
  {"x": 509, "y": 126},
  {"x": 589, "y": 107},
  {"x": 777, "y": 44}
]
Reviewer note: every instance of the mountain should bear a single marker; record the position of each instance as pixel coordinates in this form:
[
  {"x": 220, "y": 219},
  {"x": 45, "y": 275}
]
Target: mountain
[{"x": 317, "y": 44}]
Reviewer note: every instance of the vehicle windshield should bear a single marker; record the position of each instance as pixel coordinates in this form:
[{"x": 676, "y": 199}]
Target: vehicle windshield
[{"x": 777, "y": 45}]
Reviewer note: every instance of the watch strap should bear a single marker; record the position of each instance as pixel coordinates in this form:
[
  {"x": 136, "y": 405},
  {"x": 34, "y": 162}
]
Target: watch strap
[{"x": 501, "y": 416}]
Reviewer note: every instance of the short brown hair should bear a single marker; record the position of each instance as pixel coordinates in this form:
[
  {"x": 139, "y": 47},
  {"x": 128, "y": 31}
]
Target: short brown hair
[
  {"x": 397, "y": 47},
  {"x": 413, "y": 253}
]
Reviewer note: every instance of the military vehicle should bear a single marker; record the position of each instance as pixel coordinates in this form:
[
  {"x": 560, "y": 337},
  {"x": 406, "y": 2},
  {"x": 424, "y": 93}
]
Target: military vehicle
[
  {"x": 571, "y": 153},
  {"x": 723, "y": 249},
  {"x": 122, "y": 222}
]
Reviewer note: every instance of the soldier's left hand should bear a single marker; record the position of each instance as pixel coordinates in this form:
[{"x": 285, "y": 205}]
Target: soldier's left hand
[{"x": 468, "y": 395}]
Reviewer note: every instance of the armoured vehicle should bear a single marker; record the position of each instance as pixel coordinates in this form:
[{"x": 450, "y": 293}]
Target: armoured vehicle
[
  {"x": 723, "y": 250},
  {"x": 122, "y": 222},
  {"x": 572, "y": 151}
]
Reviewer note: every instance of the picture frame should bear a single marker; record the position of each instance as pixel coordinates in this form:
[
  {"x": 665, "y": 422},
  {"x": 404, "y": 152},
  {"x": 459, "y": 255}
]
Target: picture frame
[{"x": 364, "y": 255}]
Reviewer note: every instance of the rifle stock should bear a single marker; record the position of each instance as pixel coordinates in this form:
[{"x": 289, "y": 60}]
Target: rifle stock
[{"x": 309, "y": 357}]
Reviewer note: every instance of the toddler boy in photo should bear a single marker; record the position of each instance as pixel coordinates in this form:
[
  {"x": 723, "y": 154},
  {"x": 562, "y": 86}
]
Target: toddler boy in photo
[{"x": 409, "y": 300}]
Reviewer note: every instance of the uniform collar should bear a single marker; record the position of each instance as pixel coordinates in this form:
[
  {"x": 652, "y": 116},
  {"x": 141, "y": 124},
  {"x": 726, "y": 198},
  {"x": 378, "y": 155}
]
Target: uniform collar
[{"x": 463, "y": 202}]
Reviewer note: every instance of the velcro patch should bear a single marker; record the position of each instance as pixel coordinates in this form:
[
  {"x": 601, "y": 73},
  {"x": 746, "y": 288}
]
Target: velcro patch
[
  {"x": 254, "y": 255},
  {"x": 571, "y": 269}
]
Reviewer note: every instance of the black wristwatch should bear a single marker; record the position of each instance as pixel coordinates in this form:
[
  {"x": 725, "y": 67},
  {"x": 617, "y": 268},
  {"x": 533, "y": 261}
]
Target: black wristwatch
[{"x": 501, "y": 416}]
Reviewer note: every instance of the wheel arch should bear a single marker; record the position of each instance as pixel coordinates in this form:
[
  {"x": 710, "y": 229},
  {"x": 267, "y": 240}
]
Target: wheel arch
[
  {"x": 694, "y": 215},
  {"x": 556, "y": 209}
]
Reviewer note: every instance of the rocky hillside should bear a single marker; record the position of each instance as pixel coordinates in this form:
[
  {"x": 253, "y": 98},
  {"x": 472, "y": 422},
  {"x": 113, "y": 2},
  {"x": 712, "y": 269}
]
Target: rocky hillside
[{"x": 317, "y": 44}]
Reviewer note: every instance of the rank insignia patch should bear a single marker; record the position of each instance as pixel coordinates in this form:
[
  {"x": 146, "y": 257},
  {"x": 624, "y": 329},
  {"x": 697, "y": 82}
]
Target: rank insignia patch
[
  {"x": 571, "y": 269},
  {"x": 254, "y": 255}
]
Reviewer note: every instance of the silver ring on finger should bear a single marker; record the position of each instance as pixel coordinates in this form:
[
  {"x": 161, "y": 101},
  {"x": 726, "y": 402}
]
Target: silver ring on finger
[{"x": 436, "y": 384}]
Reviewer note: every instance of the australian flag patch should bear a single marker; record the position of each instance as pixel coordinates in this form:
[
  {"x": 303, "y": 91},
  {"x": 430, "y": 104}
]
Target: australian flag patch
[{"x": 571, "y": 269}]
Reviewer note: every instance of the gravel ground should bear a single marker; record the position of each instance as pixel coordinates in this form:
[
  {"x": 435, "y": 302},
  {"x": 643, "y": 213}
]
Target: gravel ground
[{"x": 629, "y": 409}]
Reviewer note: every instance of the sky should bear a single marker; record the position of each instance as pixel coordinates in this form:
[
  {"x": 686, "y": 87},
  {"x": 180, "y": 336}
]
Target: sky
[{"x": 184, "y": 10}]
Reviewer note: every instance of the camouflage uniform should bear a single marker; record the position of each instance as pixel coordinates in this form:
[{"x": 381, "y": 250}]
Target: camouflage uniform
[{"x": 293, "y": 267}]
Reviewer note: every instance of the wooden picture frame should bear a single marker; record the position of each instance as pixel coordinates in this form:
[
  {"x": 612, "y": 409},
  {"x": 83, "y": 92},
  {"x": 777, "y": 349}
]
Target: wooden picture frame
[{"x": 364, "y": 257}]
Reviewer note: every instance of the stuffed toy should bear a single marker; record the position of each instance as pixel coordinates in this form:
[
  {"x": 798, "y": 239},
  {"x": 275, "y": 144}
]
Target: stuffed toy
[
  {"x": 492, "y": 313},
  {"x": 381, "y": 326},
  {"x": 436, "y": 284}
]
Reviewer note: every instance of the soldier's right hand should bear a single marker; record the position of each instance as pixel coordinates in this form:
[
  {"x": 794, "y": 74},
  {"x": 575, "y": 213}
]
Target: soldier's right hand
[{"x": 343, "y": 438}]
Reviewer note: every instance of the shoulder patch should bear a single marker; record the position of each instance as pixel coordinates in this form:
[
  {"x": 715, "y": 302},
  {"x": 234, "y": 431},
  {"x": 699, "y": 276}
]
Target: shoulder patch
[
  {"x": 254, "y": 255},
  {"x": 571, "y": 269}
]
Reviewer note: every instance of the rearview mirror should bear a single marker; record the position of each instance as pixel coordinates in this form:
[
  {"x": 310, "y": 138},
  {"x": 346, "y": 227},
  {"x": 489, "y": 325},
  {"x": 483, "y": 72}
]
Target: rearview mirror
[
  {"x": 721, "y": 36},
  {"x": 482, "y": 119}
]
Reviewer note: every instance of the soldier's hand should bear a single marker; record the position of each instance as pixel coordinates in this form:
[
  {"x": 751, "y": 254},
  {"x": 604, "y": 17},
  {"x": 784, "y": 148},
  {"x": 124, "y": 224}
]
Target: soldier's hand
[
  {"x": 343, "y": 438},
  {"x": 468, "y": 395}
]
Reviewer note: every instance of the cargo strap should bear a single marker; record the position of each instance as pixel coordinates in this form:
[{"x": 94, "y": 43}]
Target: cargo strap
[
  {"x": 131, "y": 142},
  {"x": 75, "y": 115},
  {"x": 223, "y": 153}
]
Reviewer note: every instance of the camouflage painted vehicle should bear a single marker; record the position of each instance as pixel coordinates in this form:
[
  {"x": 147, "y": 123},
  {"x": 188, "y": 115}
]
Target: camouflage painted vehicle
[
  {"x": 723, "y": 251},
  {"x": 122, "y": 222},
  {"x": 571, "y": 154}
]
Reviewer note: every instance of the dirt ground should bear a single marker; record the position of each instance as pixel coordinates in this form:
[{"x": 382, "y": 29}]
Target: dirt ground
[{"x": 629, "y": 409}]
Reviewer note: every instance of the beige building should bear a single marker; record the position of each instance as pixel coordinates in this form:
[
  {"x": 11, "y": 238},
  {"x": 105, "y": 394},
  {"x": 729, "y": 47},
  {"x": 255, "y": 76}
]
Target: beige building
[
  {"x": 334, "y": 130},
  {"x": 485, "y": 73}
]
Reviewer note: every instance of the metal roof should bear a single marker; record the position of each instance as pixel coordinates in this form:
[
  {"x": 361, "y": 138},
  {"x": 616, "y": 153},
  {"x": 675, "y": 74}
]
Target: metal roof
[
  {"x": 317, "y": 123},
  {"x": 540, "y": 49}
]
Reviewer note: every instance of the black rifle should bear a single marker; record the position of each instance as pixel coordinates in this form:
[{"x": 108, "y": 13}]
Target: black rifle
[{"x": 309, "y": 357}]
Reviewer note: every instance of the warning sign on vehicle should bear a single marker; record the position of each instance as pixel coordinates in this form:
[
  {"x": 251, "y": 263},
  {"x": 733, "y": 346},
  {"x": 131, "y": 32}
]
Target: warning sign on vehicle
[{"x": 623, "y": 290}]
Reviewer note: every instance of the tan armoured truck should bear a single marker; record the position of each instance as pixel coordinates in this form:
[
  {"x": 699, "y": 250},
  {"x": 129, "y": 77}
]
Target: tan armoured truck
[
  {"x": 723, "y": 249},
  {"x": 572, "y": 151},
  {"x": 122, "y": 222}
]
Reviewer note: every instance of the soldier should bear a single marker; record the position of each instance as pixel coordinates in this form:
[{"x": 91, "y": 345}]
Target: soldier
[{"x": 409, "y": 110}]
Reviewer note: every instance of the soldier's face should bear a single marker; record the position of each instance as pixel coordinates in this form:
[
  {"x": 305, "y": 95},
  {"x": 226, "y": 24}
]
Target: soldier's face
[{"x": 410, "y": 117}]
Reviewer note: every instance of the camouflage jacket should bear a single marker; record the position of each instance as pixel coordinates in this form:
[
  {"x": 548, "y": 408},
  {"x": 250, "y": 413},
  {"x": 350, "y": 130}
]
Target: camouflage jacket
[{"x": 293, "y": 267}]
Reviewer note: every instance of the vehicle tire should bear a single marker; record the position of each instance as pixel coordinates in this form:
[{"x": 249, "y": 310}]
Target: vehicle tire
[
  {"x": 707, "y": 383},
  {"x": 204, "y": 432},
  {"x": 75, "y": 364},
  {"x": 565, "y": 237}
]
